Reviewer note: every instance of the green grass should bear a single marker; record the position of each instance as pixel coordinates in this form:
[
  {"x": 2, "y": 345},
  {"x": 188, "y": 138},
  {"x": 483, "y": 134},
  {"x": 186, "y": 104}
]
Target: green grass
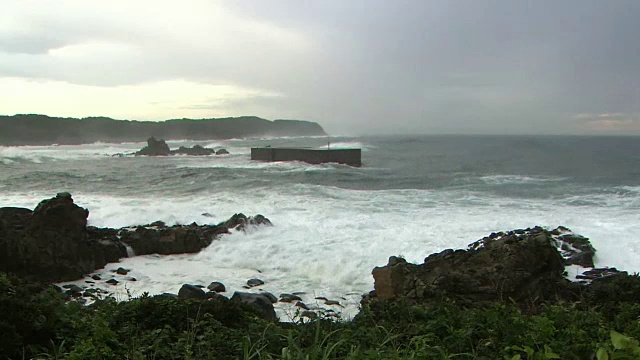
[{"x": 37, "y": 324}]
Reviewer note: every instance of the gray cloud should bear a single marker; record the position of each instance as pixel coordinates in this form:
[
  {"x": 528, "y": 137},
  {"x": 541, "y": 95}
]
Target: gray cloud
[{"x": 364, "y": 67}]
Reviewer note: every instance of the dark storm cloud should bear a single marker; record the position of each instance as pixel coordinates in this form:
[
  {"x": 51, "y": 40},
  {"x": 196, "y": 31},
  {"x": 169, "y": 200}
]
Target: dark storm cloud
[{"x": 369, "y": 67}]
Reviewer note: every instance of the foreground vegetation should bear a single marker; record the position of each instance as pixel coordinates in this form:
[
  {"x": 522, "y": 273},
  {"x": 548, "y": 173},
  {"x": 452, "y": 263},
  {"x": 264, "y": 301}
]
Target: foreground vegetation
[{"x": 37, "y": 324}]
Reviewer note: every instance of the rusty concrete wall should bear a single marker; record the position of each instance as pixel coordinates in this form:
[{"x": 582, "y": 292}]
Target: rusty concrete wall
[{"x": 351, "y": 157}]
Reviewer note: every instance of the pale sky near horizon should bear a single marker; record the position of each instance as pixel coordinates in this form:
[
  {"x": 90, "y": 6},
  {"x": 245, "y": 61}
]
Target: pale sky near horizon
[{"x": 356, "y": 67}]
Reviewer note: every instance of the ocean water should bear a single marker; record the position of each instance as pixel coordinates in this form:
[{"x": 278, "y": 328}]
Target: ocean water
[{"x": 414, "y": 195}]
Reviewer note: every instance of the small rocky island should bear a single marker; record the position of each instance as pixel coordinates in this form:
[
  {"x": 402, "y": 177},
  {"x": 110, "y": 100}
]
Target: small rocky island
[{"x": 160, "y": 148}]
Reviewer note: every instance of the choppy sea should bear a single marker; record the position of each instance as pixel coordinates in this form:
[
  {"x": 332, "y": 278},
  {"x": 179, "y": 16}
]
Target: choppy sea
[{"x": 414, "y": 195}]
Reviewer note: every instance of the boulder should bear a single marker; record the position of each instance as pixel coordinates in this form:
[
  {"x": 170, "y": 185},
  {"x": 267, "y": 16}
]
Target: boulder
[
  {"x": 254, "y": 282},
  {"x": 188, "y": 291},
  {"x": 222, "y": 152},
  {"x": 155, "y": 148},
  {"x": 260, "y": 302},
  {"x": 217, "y": 286}
]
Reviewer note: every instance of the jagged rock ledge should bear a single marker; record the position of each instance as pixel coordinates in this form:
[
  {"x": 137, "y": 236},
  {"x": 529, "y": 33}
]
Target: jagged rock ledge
[
  {"x": 53, "y": 242},
  {"x": 525, "y": 266}
]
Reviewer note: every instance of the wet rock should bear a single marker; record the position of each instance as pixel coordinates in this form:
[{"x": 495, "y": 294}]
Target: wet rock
[
  {"x": 222, "y": 152},
  {"x": 96, "y": 277},
  {"x": 287, "y": 298},
  {"x": 302, "y": 305},
  {"x": 260, "y": 302},
  {"x": 575, "y": 249},
  {"x": 513, "y": 266},
  {"x": 217, "y": 287},
  {"x": 332, "y": 302},
  {"x": 599, "y": 273},
  {"x": 122, "y": 271},
  {"x": 240, "y": 221},
  {"x": 309, "y": 314},
  {"x": 254, "y": 282},
  {"x": 112, "y": 282},
  {"x": 72, "y": 288},
  {"x": 270, "y": 296},
  {"x": 155, "y": 148},
  {"x": 179, "y": 239},
  {"x": 188, "y": 291},
  {"x": 196, "y": 150},
  {"x": 213, "y": 295}
]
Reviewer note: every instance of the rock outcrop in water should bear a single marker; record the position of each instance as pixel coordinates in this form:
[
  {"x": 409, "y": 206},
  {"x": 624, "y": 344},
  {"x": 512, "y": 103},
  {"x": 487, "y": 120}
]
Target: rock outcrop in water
[
  {"x": 160, "y": 148},
  {"x": 155, "y": 148},
  {"x": 54, "y": 243},
  {"x": 523, "y": 266}
]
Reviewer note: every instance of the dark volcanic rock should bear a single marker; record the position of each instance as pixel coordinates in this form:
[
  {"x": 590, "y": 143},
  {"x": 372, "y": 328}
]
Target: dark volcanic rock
[
  {"x": 254, "y": 282},
  {"x": 51, "y": 243},
  {"x": 167, "y": 240},
  {"x": 522, "y": 267},
  {"x": 259, "y": 301},
  {"x": 222, "y": 152},
  {"x": 217, "y": 287},
  {"x": 196, "y": 150},
  {"x": 575, "y": 249},
  {"x": 191, "y": 292},
  {"x": 289, "y": 298},
  {"x": 54, "y": 243},
  {"x": 155, "y": 148},
  {"x": 241, "y": 221}
]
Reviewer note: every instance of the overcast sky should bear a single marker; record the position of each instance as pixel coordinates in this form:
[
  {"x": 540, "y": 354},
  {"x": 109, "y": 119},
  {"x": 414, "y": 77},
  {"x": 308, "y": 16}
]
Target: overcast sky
[{"x": 356, "y": 67}]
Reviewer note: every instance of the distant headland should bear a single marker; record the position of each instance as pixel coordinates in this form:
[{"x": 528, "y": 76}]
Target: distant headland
[{"x": 34, "y": 129}]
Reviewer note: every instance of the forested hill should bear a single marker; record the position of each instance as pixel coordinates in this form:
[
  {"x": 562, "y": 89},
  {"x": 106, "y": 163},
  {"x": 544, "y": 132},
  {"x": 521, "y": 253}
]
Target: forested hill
[{"x": 44, "y": 130}]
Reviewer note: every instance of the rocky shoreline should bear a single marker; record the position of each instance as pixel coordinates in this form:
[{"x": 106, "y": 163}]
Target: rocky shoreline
[
  {"x": 53, "y": 242},
  {"x": 527, "y": 267}
]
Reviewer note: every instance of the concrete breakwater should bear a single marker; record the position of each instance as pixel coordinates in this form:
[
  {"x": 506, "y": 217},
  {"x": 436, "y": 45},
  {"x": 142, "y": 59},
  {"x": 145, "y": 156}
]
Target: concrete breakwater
[{"x": 351, "y": 157}]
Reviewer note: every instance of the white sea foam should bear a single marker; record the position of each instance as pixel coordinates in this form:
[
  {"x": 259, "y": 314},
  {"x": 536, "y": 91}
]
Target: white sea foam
[
  {"x": 519, "y": 179},
  {"x": 328, "y": 245}
]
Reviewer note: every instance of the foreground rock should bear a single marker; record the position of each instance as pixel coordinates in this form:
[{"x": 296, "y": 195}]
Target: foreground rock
[
  {"x": 260, "y": 302},
  {"x": 54, "y": 243},
  {"x": 523, "y": 266}
]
